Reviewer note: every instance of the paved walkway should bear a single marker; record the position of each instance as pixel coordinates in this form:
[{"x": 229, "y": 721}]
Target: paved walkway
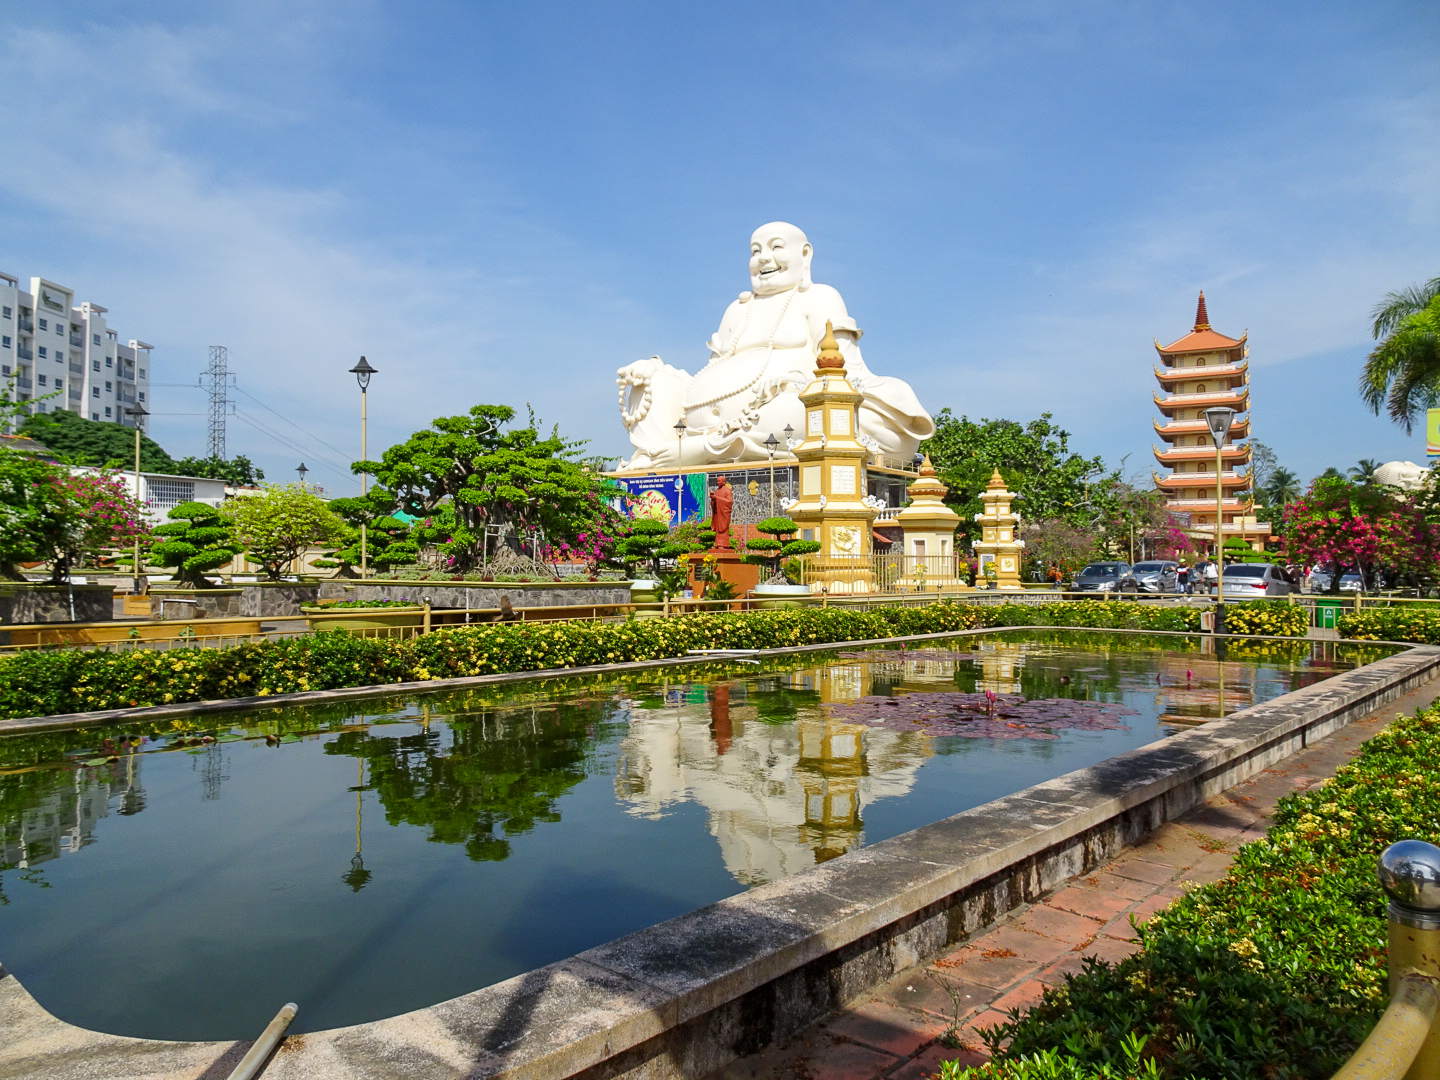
[{"x": 895, "y": 1033}]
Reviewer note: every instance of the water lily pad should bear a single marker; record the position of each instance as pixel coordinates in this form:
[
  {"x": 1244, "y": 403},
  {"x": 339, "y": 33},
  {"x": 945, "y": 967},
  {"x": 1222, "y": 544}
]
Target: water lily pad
[{"x": 982, "y": 716}]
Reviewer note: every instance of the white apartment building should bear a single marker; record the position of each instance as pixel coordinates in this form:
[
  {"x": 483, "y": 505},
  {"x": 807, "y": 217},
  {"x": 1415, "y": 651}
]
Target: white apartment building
[{"x": 48, "y": 343}]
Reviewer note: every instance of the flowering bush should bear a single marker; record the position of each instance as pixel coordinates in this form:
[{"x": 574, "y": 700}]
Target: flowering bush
[
  {"x": 1363, "y": 526},
  {"x": 1267, "y": 618},
  {"x": 1410, "y": 623},
  {"x": 1276, "y": 970}
]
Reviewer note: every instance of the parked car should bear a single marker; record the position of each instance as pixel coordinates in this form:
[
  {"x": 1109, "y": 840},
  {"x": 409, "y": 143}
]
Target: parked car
[
  {"x": 1318, "y": 580},
  {"x": 1158, "y": 577},
  {"x": 1106, "y": 577},
  {"x": 1252, "y": 581},
  {"x": 1350, "y": 583}
]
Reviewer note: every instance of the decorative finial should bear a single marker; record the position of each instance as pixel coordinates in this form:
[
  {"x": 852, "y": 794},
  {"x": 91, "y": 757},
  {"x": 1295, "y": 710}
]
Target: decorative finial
[
  {"x": 997, "y": 482},
  {"x": 1202, "y": 317},
  {"x": 926, "y": 469},
  {"x": 830, "y": 350}
]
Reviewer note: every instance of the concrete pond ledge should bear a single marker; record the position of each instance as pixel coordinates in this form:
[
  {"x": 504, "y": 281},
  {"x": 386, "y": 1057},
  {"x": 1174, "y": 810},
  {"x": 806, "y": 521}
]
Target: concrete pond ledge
[{"x": 687, "y": 996}]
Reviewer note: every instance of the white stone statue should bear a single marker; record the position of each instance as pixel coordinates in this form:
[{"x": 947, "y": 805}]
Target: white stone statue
[
  {"x": 1405, "y": 475},
  {"x": 761, "y": 357}
]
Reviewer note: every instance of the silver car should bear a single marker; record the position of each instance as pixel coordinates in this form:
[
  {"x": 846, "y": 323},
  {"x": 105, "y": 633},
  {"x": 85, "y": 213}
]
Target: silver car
[
  {"x": 1253, "y": 581},
  {"x": 1158, "y": 577}
]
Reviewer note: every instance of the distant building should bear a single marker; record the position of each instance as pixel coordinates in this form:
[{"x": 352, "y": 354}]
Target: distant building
[
  {"x": 48, "y": 343},
  {"x": 1201, "y": 370}
]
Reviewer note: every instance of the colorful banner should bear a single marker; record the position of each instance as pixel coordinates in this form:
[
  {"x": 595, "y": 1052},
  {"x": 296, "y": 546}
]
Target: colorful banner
[
  {"x": 670, "y": 499},
  {"x": 1432, "y": 433}
]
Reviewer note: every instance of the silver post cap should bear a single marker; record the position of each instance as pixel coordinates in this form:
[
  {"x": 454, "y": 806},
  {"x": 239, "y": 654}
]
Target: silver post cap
[{"x": 1409, "y": 872}]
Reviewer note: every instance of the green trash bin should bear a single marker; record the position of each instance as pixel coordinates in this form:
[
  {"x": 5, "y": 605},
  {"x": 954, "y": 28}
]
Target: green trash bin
[{"x": 1327, "y": 611}]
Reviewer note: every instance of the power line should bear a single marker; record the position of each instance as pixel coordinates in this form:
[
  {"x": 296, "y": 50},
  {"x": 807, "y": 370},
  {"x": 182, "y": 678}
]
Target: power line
[
  {"x": 297, "y": 427},
  {"x": 325, "y": 463}
]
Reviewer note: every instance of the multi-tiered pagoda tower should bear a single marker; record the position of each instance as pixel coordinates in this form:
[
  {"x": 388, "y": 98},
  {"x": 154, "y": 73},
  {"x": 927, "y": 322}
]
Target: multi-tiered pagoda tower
[{"x": 1201, "y": 370}]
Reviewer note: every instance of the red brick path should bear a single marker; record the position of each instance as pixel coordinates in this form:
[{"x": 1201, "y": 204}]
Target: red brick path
[{"x": 895, "y": 1033}]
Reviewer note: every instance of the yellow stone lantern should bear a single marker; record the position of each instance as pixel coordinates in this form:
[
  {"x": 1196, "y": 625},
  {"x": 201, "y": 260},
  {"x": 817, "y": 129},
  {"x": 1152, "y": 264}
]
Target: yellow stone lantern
[
  {"x": 830, "y": 505},
  {"x": 998, "y": 544},
  {"x": 927, "y": 558}
]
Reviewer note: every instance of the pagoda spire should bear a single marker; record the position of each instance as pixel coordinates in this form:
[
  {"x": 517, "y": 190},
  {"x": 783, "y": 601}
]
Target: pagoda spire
[{"x": 1202, "y": 317}]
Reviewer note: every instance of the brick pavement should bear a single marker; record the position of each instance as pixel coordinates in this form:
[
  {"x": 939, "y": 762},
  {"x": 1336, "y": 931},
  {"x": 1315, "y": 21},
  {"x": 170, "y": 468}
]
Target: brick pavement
[{"x": 895, "y": 1033}]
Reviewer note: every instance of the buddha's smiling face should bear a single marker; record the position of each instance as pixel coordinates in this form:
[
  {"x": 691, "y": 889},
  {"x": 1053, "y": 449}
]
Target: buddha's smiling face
[{"x": 779, "y": 258}]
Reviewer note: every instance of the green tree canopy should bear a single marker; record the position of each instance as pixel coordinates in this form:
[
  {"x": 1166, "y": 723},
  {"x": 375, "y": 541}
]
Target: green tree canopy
[
  {"x": 196, "y": 539},
  {"x": 95, "y": 442},
  {"x": 1035, "y": 459},
  {"x": 1402, "y": 374},
  {"x": 238, "y": 471},
  {"x": 275, "y": 526},
  {"x": 464, "y": 473},
  {"x": 388, "y": 539}
]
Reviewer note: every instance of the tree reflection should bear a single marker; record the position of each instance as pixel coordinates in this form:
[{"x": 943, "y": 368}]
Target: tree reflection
[{"x": 476, "y": 781}]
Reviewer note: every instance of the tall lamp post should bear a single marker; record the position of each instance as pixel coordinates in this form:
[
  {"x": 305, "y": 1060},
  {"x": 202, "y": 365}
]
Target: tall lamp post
[
  {"x": 770, "y": 444},
  {"x": 789, "y": 473},
  {"x": 362, "y": 372},
  {"x": 1219, "y": 419},
  {"x": 302, "y": 469},
  {"x": 679, "y": 441},
  {"x": 135, "y": 412}
]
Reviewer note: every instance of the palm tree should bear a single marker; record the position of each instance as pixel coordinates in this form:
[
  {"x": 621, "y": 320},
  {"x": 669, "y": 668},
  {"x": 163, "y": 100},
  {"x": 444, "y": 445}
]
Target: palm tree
[
  {"x": 1364, "y": 471},
  {"x": 1283, "y": 487},
  {"x": 1403, "y": 373}
]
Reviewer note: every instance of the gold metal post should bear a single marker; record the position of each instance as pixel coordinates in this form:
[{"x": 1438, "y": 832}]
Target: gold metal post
[{"x": 364, "y": 478}]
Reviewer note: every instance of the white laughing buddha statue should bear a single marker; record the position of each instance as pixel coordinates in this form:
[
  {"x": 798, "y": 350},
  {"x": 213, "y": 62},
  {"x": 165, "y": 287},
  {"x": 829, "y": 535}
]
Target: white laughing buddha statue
[{"x": 762, "y": 356}]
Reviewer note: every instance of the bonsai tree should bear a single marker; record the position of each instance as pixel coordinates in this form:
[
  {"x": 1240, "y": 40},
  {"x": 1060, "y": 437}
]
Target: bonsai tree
[
  {"x": 650, "y": 541},
  {"x": 389, "y": 540},
  {"x": 196, "y": 539},
  {"x": 277, "y": 525},
  {"x": 772, "y": 548}
]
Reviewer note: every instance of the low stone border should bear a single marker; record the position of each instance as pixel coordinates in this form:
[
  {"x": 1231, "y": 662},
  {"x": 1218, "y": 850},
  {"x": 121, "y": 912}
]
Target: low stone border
[{"x": 686, "y": 996}]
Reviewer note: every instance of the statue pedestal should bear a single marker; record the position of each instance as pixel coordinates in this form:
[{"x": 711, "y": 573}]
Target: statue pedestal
[{"x": 744, "y": 575}]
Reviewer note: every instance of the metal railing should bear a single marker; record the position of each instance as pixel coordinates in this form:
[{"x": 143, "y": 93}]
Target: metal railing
[{"x": 1405, "y": 1041}]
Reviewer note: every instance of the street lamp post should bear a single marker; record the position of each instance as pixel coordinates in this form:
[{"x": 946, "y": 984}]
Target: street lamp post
[
  {"x": 362, "y": 372},
  {"x": 679, "y": 441},
  {"x": 789, "y": 472},
  {"x": 135, "y": 412},
  {"x": 302, "y": 469},
  {"x": 770, "y": 444},
  {"x": 1219, "y": 420}
]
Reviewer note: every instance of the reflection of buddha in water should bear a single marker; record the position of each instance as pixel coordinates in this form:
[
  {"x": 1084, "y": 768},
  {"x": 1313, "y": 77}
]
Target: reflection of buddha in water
[{"x": 761, "y": 357}]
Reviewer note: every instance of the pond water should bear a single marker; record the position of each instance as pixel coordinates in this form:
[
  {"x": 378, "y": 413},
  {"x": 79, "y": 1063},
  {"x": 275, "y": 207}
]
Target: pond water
[{"x": 372, "y": 858}]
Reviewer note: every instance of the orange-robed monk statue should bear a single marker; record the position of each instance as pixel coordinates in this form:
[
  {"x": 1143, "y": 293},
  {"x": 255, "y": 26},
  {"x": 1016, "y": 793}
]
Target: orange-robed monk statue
[{"x": 721, "y": 500}]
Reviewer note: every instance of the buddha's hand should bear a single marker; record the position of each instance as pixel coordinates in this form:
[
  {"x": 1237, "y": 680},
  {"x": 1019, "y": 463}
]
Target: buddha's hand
[
  {"x": 639, "y": 373},
  {"x": 771, "y": 387}
]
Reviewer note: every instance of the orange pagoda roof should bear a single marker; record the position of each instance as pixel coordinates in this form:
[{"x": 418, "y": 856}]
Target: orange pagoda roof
[
  {"x": 1211, "y": 371},
  {"x": 1202, "y": 338},
  {"x": 1231, "y": 453},
  {"x": 1239, "y": 400},
  {"x": 1239, "y": 428},
  {"x": 1204, "y": 481}
]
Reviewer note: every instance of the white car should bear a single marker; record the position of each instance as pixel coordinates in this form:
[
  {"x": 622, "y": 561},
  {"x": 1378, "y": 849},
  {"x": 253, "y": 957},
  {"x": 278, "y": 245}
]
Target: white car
[{"x": 1255, "y": 581}]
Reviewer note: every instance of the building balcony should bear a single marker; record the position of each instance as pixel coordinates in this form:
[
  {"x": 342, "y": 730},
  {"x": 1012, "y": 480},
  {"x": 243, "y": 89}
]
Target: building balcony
[
  {"x": 128, "y": 374},
  {"x": 27, "y": 324},
  {"x": 1239, "y": 400},
  {"x": 24, "y": 353},
  {"x": 23, "y": 382},
  {"x": 75, "y": 393},
  {"x": 1170, "y": 375},
  {"x": 1174, "y": 455},
  {"x": 76, "y": 369},
  {"x": 1172, "y": 429},
  {"x": 77, "y": 340}
]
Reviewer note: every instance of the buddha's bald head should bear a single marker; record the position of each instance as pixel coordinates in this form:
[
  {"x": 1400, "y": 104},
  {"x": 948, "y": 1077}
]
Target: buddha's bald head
[{"x": 779, "y": 258}]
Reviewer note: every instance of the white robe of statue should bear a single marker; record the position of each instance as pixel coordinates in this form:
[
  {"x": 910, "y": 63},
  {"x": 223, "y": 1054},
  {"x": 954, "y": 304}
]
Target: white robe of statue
[{"x": 761, "y": 357}]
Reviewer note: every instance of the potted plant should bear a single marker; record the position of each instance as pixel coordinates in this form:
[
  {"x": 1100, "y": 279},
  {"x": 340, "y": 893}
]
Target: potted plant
[{"x": 779, "y": 589}]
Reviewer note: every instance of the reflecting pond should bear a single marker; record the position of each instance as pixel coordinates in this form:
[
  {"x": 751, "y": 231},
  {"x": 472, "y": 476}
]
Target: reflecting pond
[{"x": 367, "y": 859}]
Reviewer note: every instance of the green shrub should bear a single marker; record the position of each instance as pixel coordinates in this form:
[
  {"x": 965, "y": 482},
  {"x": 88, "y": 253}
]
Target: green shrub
[
  {"x": 1417, "y": 623},
  {"x": 1268, "y": 618},
  {"x": 1278, "y": 969}
]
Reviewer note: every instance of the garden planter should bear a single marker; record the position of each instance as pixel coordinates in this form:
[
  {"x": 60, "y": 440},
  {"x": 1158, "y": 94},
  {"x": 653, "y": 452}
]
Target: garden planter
[
  {"x": 781, "y": 596},
  {"x": 328, "y": 618}
]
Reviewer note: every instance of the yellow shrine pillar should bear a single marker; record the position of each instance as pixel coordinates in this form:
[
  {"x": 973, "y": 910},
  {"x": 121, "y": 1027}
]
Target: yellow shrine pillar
[
  {"x": 998, "y": 544},
  {"x": 927, "y": 559},
  {"x": 830, "y": 506}
]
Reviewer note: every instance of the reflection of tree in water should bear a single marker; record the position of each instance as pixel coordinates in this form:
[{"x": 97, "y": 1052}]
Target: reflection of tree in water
[{"x": 477, "y": 781}]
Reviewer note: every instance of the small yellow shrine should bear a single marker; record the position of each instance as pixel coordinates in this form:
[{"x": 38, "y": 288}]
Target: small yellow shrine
[
  {"x": 927, "y": 557},
  {"x": 829, "y": 506},
  {"x": 998, "y": 545}
]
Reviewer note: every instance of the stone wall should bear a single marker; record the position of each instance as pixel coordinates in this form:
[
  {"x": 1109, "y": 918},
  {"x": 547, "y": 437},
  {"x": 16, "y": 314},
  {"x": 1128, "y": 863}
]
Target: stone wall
[{"x": 24, "y": 604}]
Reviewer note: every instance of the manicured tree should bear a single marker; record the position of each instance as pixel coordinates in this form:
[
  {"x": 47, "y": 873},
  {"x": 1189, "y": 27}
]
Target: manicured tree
[
  {"x": 465, "y": 473},
  {"x": 773, "y": 549},
  {"x": 389, "y": 541},
  {"x": 649, "y": 541},
  {"x": 196, "y": 539},
  {"x": 277, "y": 525}
]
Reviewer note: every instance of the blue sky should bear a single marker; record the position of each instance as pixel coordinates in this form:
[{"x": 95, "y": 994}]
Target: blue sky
[{"x": 506, "y": 202}]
